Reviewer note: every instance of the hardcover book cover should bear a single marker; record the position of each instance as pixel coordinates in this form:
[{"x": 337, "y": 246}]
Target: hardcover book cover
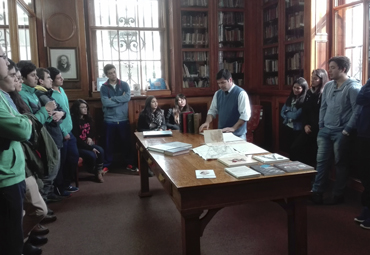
[
  {"x": 176, "y": 151},
  {"x": 241, "y": 172},
  {"x": 157, "y": 133},
  {"x": 205, "y": 174},
  {"x": 294, "y": 166},
  {"x": 163, "y": 147},
  {"x": 271, "y": 158},
  {"x": 237, "y": 160},
  {"x": 197, "y": 122},
  {"x": 267, "y": 170}
]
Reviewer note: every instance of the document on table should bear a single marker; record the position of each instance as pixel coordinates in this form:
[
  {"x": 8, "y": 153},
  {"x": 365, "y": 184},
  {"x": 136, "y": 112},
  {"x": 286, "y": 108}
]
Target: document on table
[
  {"x": 247, "y": 148},
  {"x": 213, "y": 152}
]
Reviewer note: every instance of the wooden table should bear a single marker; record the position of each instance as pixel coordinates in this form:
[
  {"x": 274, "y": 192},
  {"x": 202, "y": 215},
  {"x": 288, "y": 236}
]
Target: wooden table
[{"x": 198, "y": 200}]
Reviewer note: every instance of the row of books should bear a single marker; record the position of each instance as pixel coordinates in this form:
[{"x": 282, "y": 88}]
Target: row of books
[
  {"x": 195, "y": 38},
  {"x": 271, "y": 65},
  {"x": 195, "y": 71},
  {"x": 194, "y": 3},
  {"x": 190, "y": 122},
  {"x": 192, "y": 83},
  {"x": 289, "y": 3},
  {"x": 230, "y": 18},
  {"x": 270, "y": 14},
  {"x": 194, "y": 21},
  {"x": 225, "y": 34},
  {"x": 231, "y": 3},
  {"x": 295, "y": 20},
  {"x": 195, "y": 56},
  {"x": 271, "y": 31},
  {"x": 272, "y": 80},
  {"x": 233, "y": 67},
  {"x": 295, "y": 62}
]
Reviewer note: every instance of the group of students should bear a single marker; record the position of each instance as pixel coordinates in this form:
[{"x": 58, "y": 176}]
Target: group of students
[
  {"x": 322, "y": 122},
  {"x": 152, "y": 118},
  {"x": 41, "y": 140}
]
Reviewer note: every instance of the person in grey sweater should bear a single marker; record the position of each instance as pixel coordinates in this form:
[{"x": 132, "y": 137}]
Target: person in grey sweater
[{"x": 337, "y": 123}]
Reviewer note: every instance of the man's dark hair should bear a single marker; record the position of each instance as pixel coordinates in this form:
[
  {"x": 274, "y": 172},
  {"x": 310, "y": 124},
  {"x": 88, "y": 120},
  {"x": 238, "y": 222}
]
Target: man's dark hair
[
  {"x": 12, "y": 65},
  {"x": 223, "y": 73},
  {"x": 26, "y": 67},
  {"x": 343, "y": 62},
  {"x": 107, "y": 68},
  {"x": 53, "y": 72},
  {"x": 41, "y": 73}
]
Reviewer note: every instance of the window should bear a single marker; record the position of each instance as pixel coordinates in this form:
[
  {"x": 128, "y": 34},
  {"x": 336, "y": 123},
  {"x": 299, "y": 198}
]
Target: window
[
  {"x": 348, "y": 37},
  {"x": 17, "y": 35},
  {"x": 130, "y": 35}
]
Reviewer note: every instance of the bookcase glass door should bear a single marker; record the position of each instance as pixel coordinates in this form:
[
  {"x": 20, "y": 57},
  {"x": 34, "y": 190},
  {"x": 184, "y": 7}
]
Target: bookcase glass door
[
  {"x": 294, "y": 19},
  {"x": 234, "y": 62},
  {"x": 294, "y": 58},
  {"x": 195, "y": 69},
  {"x": 270, "y": 23},
  {"x": 271, "y": 63}
]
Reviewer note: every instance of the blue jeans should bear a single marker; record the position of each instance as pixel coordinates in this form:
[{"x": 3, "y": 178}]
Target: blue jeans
[
  {"x": 11, "y": 219},
  {"x": 332, "y": 142},
  {"x": 90, "y": 159},
  {"x": 118, "y": 131},
  {"x": 68, "y": 163}
]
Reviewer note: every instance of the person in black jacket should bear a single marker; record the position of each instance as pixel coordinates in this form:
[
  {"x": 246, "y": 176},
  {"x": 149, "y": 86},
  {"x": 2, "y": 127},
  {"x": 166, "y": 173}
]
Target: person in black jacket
[
  {"x": 363, "y": 137},
  {"x": 92, "y": 154},
  {"x": 152, "y": 117},
  {"x": 304, "y": 148},
  {"x": 173, "y": 114}
]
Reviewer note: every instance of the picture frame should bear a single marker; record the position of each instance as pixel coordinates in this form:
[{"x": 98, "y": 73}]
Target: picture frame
[{"x": 65, "y": 59}]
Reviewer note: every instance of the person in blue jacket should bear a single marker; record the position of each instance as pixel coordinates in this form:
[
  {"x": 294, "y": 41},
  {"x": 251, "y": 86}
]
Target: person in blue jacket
[
  {"x": 292, "y": 111},
  {"x": 115, "y": 95},
  {"x": 363, "y": 137}
]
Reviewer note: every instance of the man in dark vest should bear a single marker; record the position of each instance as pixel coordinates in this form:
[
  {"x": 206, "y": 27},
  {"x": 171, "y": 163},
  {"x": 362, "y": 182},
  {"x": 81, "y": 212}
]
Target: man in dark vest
[{"x": 231, "y": 103}]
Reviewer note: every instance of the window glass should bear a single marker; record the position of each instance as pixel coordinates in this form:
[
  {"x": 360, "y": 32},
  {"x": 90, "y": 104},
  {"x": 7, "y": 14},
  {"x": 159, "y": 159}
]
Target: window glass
[{"x": 23, "y": 34}]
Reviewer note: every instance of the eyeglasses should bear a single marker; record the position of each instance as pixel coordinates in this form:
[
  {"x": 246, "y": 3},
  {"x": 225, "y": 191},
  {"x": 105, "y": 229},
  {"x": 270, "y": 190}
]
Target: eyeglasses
[{"x": 4, "y": 56}]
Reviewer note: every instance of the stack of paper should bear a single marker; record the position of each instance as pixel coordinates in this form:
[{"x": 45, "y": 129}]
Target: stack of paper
[
  {"x": 241, "y": 172},
  {"x": 163, "y": 147},
  {"x": 237, "y": 160}
]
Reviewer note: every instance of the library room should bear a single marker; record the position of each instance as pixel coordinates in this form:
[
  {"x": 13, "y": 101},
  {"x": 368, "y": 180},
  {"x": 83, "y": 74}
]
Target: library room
[{"x": 214, "y": 127}]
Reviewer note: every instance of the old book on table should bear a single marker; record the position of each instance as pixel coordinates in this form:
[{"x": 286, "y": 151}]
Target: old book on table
[
  {"x": 163, "y": 147},
  {"x": 157, "y": 133},
  {"x": 237, "y": 160},
  {"x": 176, "y": 151},
  {"x": 241, "y": 172},
  {"x": 190, "y": 124},
  {"x": 271, "y": 158},
  {"x": 267, "y": 170},
  {"x": 184, "y": 122},
  {"x": 197, "y": 122},
  {"x": 205, "y": 174},
  {"x": 293, "y": 166}
]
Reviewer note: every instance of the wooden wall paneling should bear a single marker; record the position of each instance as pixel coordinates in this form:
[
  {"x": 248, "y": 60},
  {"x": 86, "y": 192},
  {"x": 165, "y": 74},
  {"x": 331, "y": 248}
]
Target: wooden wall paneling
[
  {"x": 267, "y": 141},
  {"x": 277, "y": 124},
  {"x": 64, "y": 27}
]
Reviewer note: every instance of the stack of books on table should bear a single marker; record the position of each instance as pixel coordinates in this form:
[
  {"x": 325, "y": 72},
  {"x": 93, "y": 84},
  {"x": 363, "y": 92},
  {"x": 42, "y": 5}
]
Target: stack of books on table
[
  {"x": 294, "y": 166},
  {"x": 268, "y": 170},
  {"x": 242, "y": 172},
  {"x": 171, "y": 149},
  {"x": 271, "y": 158}
]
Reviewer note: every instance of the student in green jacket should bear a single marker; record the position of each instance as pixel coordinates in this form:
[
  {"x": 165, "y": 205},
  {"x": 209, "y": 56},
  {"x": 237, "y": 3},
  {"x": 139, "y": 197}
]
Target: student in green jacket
[{"x": 13, "y": 129}]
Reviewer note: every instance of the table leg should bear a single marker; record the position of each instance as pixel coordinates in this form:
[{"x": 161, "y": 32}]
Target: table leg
[
  {"x": 297, "y": 226},
  {"x": 191, "y": 232},
  {"x": 144, "y": 177}
]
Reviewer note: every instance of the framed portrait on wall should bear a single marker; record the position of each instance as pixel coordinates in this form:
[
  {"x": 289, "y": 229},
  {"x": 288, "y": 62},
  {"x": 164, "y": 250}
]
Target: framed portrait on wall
[{"x": 65, "y": 59}]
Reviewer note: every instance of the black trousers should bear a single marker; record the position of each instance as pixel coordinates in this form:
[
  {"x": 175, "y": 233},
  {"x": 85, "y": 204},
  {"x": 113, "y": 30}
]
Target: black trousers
[
  {"x": 364, "y": 167},
  {"x": 304, "y": 148},
  {"x": 11, "y": 219}
]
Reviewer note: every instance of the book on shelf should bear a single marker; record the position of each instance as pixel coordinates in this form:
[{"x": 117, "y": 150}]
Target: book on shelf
[
  {"x": 197, "y": 122},
  {"x": 190, "y": 124},
  {"x": 267, "y": 170},
  {"x": 177, "y": 151},
  {"x": 157, "y": 133},
  {"x": 163, "y": 147},
  {"x": 293, "y": 166},
  {"x": 270, "y": 158},
  {"x": 237, "y": 160},
  {"x": 205, "y": 174},
  {"x": 241, "y": 172}
]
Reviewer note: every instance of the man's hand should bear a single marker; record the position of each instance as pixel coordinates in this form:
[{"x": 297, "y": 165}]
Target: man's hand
[
  {"x": 57, "y": 115},
  {"x": 50, "y": 106},
  {"x": 203, "y": 126},
  {"x": 123, "y": 93},
  {"x": 228, "y": 130},
  {"x": 67, "y": 137},
  {"x": 307, "y": 129},
  {"x": 96, "y": 152},
  {"x": 89, "y": 141},
  {"x": 344, "y": 132}
]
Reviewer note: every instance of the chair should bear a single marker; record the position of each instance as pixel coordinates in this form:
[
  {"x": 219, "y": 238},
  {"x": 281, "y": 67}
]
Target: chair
[{"x": 256, "y": 116}]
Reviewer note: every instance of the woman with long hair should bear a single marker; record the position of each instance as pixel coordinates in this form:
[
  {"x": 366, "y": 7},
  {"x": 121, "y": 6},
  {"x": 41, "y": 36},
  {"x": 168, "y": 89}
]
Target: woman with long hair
[
  {"x": 292, "y": 111},
  {"x": 152, "y": 117},
  {"x": 173, "y": 114},
  {"x": 304, "y": 147},
  {"x": 92, "y": 154}
]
